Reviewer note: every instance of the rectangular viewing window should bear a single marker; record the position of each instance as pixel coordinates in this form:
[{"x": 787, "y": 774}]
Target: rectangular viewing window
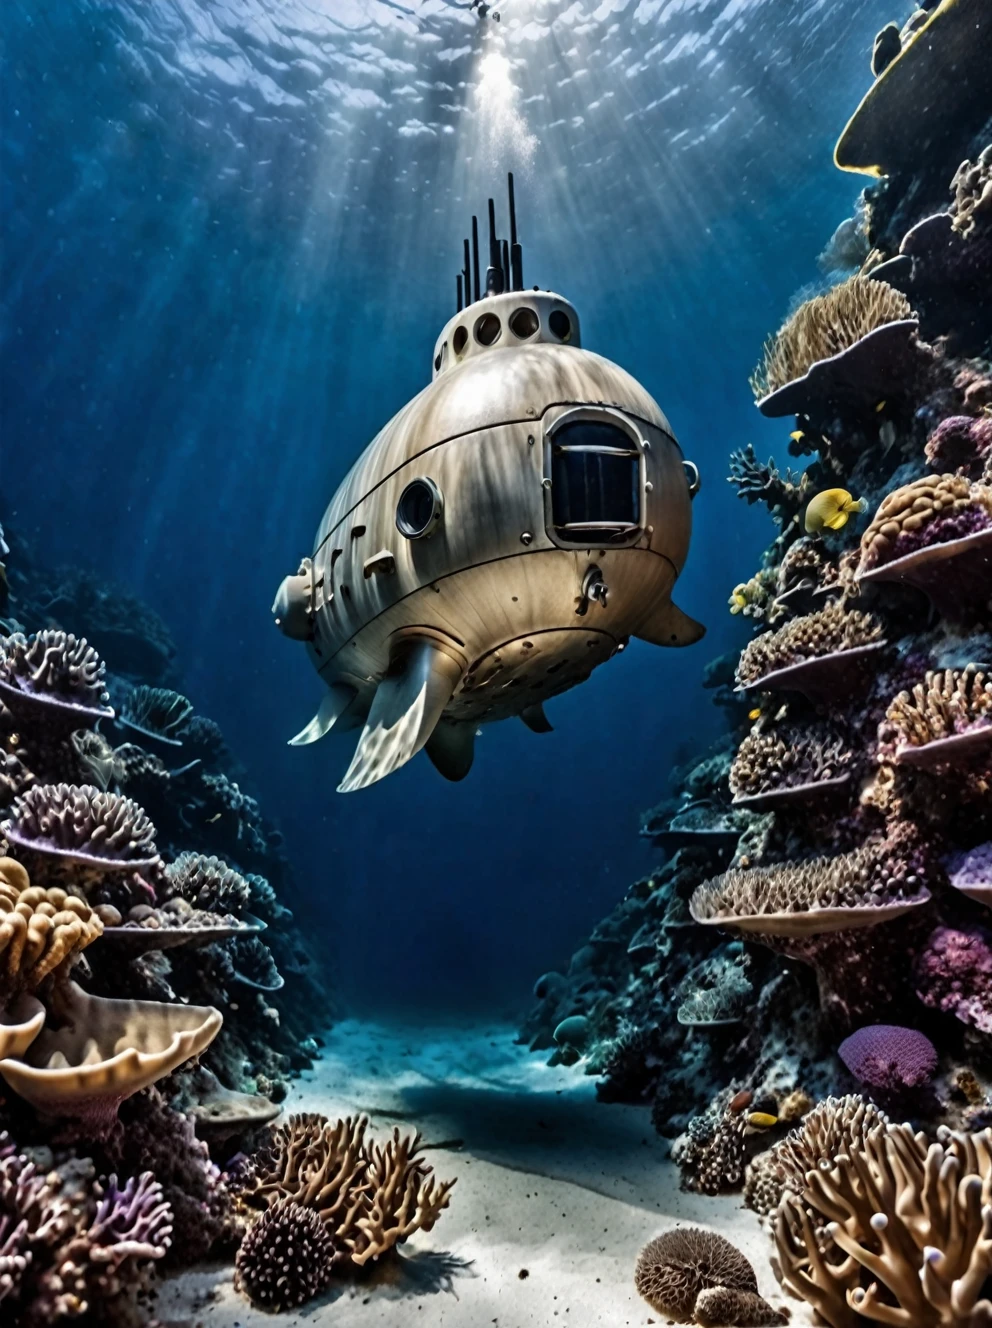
[{"x": 595, "y": 482}]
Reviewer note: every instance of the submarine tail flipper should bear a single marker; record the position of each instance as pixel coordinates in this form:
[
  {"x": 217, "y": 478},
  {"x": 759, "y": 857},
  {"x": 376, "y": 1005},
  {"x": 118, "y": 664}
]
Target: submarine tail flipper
[
  {"x": 333, "y": 706},
  {"x": 536, "y": 720},
  {"x": 667, "y": 625},
  {"x": 451, "y": 748},
  {"x": 408, "y": 704}
]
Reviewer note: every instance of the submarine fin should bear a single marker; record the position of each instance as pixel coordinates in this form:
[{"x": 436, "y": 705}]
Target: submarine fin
[
  {"x": 451, "y": 748},
  {"x": 536, "y": 720},
  {"x": 669, "y": 626},
  {"x": 333, "y": 706},
  {"x": 408, "y": 704}
]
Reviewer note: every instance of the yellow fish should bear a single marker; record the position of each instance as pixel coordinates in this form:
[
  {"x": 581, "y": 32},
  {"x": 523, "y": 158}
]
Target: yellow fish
[
  {"x": 796, "y": 435},
  {"x": 830, "y": 510},
  {"x": 762, "y": 1120},
  {"x": 754, "y": 714}
]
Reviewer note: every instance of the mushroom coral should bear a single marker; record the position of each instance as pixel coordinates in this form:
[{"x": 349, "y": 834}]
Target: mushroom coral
[
  {"x": 82, "y": 824},
  {"x": 96, "y": 1052},
  {"x": 825, "y": 326},
  {"x": 907, "y": 1238}
]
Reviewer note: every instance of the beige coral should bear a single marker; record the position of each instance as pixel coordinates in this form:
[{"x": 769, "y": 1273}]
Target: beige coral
[
  {"x": 825, "y": 326},
  {"x": 787, "y": 756},
  {"x": 947, "y": 702},
  {"x": 908, "y": 1231},
  {"x": 809, "y": 637},
  {"x": 41, "y": 931},
  {"x": 972, "y": 186},
  {"x": 676, "y": 1266},
  {"x": 907, "y": 510}
]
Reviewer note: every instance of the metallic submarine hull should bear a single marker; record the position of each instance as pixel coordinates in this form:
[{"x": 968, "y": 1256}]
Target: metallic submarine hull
[{"x": 506, "y": 532}]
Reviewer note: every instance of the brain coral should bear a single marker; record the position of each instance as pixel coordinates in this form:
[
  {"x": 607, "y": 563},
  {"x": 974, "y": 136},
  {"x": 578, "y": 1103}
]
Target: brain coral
[
  {"x": 889, "y": 1057},
  {"x": 285, "y": 1259},
  {"x": 931, "y": 510},
  {"x": 809, "y": 637},
  {"x": 82, "y": 823},
  {"x": 676, "y": 1266},
  {"x": 825, "y": 326}
]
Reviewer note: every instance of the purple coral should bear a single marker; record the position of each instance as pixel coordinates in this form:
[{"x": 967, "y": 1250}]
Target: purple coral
[
  {"x": 960, "y": 443},
  {"x": 889, "y": 1057},
  {"x": 971, "y": 872},
  {"x": 954, "y": 975},
  {"x": 131, "y": 1223}
]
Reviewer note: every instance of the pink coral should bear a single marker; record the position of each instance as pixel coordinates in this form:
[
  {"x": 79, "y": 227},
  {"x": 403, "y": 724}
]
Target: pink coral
[
  {"x": 954, "y": 975},
  {"x": 960, "y": 443},
  {"x": 889, "y": 1057}
]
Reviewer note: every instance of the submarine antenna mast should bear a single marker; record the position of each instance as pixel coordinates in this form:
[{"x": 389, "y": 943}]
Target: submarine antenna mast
[
  {"x": 516, "y": 252},
  {"x": 505, "y": 270}
]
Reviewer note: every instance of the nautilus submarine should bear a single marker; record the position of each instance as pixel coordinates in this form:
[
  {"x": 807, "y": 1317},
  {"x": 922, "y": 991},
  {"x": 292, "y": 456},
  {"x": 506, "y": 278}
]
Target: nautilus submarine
[{"x": 508, "y": 530}]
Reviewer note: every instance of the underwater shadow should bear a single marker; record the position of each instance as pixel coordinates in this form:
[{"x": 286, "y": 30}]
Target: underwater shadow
[{"x": 398, "y": 1277}]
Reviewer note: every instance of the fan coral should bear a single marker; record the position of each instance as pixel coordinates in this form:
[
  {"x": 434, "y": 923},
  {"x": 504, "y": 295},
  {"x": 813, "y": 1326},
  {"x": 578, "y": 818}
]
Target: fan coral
[
  {"x": 933, "y": 510},
  {"x": 370, "y": 1197},
  {"x": 208, "y": 883},
  {"x": 889, "y": 1057},
  {"x": 809, "y": 637},
  {"x": 960, "y": 443},
  {"x": 286, "y": 1258},
  {"x": 83, "y": 824},
  {"x": 156, "y": 712},
  {"x": 912, "y": 1217},
  {"x": 825, "y": 326},
  {"x": 56, "y": 670},
  {"x": 676, "y": 1266},
  {"x": 822, "y": 894},
  {"x": 972, "y": 186},
  {"x": 787, "y": 758},
  {"x": 946, "y": 705},
  {"x": 954, "y": 975}
]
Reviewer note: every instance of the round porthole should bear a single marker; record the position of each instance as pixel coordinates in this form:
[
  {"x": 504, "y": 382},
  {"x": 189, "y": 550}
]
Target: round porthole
[
  {"x": 437, "y": 362},
  {"x": 419, "y": 509},
  {"x": 560, "y": 324},
  {"x": 459, "y": 339},
  {"x": 524, "y": 323},
  {"x": 487, "y": 330}
]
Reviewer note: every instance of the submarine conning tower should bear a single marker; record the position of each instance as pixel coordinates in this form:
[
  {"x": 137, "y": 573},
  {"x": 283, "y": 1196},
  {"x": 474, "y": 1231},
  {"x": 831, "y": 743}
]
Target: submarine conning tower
[{"x": 505, "y": 533}]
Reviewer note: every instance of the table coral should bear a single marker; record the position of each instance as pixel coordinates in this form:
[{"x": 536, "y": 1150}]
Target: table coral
[
  {"x": 971, "y": 873},
  {"x": 56, "y": 671},
  {"x": 889, "y": 1057},
  {"x": 156, "y": 712},
  {"x": 931, "y": 510},
  {"x": 208, "y": 883},
  {"x": 825, "y": 326},
  {"x": 788, "y": 757},
  {"x": 948, "y": 704},
  {"x": 83, "y": 824},
  {"x": 812, "y": 636}
]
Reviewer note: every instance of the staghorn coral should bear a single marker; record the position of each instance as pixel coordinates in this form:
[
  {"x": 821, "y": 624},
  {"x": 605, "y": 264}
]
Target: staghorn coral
[
  {"x": 783, "y": 494},
  {"x": 156, "y": 712},
  {"x": 790, "y": 895},
  {"x": 53, "y": 666},
  {"x": 932, "y": 510},
  {"x": 945, "y": 704},
  {"x": 84, "y": 824},
  {"x": 41, "y": 931},
  {"x": 371, "y": 1197},
  {"x": 889, "y": 1058},
  {"x": 788, "y": 756},
  {"x": 676, "y": 1266},
  {"x": 954, "y": 975},
  {"x": 914, "y": 1219},
  {"x": 809, "y": 637},
  {"x": 208, "y": 883},
  {"x": 286, "y": 1258},
  {"x": 825, "y": 326}
]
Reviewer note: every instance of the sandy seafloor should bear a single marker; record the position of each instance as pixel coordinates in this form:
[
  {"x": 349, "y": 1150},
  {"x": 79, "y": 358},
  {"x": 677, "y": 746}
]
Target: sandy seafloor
[{"x": 556, "y": 1192}]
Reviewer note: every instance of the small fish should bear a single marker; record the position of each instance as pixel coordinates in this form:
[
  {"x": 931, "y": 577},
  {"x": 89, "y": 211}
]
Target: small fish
[
  {"x": 830, "y": 510},
  {"x": 211, "y": 819},
  {"x": 796, "y": 435},
  {"x": 761, "y": 1120},
  {"x": 880, "y": 407},
  {"x": 754, "y": 714}
]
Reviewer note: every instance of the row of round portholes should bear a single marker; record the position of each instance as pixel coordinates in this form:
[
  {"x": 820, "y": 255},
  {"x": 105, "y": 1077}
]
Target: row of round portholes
[{"x": 524, "y": 324}]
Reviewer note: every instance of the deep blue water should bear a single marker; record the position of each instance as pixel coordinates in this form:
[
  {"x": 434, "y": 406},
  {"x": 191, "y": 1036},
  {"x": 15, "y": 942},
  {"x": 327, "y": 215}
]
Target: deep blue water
[{"x": 230, "y": 237}]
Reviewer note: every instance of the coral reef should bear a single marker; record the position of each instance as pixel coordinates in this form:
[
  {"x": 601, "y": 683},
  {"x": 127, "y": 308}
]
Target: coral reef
[
  {"x": 826, "y": 637},
  {"x": 83, "y": 824},
  {"x": 889, "y": 1058},
  {"x": 787, "y": 761},
  {"x": 674, "y": 1268}
]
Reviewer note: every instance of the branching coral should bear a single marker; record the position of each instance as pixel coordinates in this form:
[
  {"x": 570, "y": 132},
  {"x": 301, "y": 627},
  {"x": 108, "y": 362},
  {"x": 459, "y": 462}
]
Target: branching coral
[
  {"x": 825, "y": 326},
  {"x": 156, "y": 712},
  {"x": 946, "y": 704},
  {"x": 57, "y": 670},
  {"x": 208, "y": 883},
  {"x": 84, "y": 824},
  {"x": 783, "y": 494},
  {"x": 753, "y": 598},
  {"x": 810, "y": 637},
  {"x": 913, "y": 1219},
  {"x": 371, "y": 1197},
  {"x": 286, "y": 1257},
  {"x": 930, "y": 511},
  {"x": 787, "y": 757}
]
